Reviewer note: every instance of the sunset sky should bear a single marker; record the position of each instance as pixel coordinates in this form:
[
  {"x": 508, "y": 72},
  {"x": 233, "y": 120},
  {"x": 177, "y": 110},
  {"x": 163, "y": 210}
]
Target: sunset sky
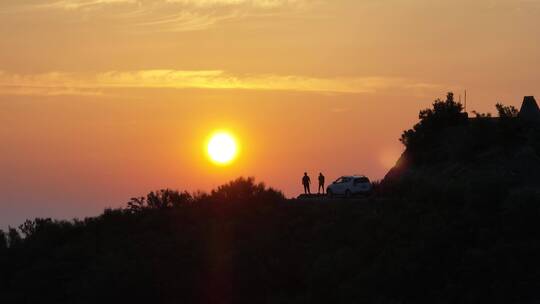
[{"x": 102, "y": 100}]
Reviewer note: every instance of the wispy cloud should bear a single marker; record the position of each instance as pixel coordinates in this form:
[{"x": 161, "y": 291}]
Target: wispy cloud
[
  {"x": 59, "y": 83},
  {"x": 45, "y": 84},
  {"x": 80, "y": 4},
  {"x": 253, "y": 3},
  {"x": 154, "y": 15}
]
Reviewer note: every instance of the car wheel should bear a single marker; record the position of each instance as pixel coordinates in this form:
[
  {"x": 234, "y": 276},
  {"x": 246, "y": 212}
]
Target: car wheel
[{"x": 348, "y": 193}]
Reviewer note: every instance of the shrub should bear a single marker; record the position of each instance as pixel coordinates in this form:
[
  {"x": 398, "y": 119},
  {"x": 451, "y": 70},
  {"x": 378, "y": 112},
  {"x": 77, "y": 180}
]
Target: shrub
[{"x": 443, "y": 114}]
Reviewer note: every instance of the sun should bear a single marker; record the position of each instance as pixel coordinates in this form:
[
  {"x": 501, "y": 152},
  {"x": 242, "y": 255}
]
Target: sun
[{"x": 222, "y": 148}]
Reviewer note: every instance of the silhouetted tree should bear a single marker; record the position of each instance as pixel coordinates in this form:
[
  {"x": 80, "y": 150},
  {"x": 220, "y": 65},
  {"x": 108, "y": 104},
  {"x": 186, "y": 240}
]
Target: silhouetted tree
[
  {"x": 506, "y": 111},
  {"x": 243, "y": 189},
  {"x": 14, "y": 238},
  {"x": 443, "y": 114},
  {"x": 29, "y": 227},
  {"x": 3, "y": 241},
  {"x": 161, "y": 199},
  {"x": 167, "y": 199},
  {"x": 243, "y": 243},
  {"x": 137, "y": 204},
  {"x": 480, "y": 115}
]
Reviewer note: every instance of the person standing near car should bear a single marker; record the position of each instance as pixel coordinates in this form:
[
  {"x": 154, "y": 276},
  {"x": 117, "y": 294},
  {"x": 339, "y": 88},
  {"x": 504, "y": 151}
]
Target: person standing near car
[
  {"x": 306, "y": 181},
  {"x": 321, "y": 183}
]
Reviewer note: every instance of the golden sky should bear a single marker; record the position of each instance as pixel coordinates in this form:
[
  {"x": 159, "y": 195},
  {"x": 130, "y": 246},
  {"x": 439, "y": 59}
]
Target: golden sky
[{"x": 101, "y": 100}]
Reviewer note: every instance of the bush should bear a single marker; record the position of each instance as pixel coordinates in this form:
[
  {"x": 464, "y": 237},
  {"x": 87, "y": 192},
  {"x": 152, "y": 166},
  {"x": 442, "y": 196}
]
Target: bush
[
  {"x": 247, "y": 244},
  {"x": 444, "y": 114},
  {"x": 161, "y": 199}
]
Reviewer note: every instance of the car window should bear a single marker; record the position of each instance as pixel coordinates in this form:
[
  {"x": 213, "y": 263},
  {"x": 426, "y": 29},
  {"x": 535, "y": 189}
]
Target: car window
[
  {"x": 357, "y": 181},
  {"x": 346, "y": 180},
  {"x": 339, "y": 180},
  {"x": 364, "y": 180}
]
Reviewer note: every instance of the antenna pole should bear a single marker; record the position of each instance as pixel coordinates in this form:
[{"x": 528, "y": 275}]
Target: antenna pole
[{"x": 465, "y": 100}]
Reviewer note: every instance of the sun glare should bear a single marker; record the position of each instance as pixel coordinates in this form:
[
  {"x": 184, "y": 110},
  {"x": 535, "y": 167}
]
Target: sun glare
[{"x": 222, "y": 148}]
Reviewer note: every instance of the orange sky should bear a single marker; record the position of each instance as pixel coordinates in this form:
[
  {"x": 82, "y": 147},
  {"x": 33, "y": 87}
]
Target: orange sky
[{"x": 101, "y": 100}]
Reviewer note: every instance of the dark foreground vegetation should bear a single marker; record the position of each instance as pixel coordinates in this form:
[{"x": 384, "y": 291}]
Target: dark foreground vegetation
[
  {"x": 412, "y": 242},
  {"x": 447, "y": 148},
  {"x": 246, "y": 244}
]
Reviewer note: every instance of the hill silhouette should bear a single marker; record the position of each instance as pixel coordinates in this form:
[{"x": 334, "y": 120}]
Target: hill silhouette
[
  {"x": 451, "y": 151},
  {"x": 424, "y": 237}
]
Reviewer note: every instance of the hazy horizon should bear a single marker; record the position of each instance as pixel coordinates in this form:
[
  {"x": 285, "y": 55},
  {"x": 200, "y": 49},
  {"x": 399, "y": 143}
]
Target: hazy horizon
[{"x": 101, "y": 101}]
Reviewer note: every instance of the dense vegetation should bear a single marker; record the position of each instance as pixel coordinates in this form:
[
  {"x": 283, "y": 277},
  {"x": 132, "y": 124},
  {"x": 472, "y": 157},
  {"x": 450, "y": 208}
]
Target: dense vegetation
[
  {"x": 244, "y": 243},
  {"x": 446, "y": 133},
  {"x": 414, "y": 241},
  {"x": 447, "y": 149}
]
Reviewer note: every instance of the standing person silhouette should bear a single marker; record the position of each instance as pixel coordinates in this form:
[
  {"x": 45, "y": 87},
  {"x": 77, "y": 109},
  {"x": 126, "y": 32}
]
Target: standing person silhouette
[
  {"x": 306, "y": 181},
  {"x": 321, "y": 183}
]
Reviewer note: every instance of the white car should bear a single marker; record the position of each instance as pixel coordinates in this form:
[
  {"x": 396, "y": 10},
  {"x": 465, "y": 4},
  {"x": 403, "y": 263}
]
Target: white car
[{"x": 350, "y": 185}]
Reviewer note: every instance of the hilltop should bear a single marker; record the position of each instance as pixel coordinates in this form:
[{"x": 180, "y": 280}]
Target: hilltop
[
  {"x": 456, "y": 221},
  {"x": 450, "y": 150}
]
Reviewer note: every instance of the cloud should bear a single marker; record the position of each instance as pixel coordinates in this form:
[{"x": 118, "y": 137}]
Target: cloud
[
  {"x": 253, "y": 3},
  {"x": 46, "y": 84},
  {"x": 22, "y": 7},
  {"x": 60, "y": 83},
  {"x": 81, "y": 4},
  {"x": 152, "y": 15}
]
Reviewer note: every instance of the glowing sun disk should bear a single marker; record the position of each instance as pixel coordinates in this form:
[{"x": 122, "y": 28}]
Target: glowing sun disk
[{"x": 222, "y": 148}]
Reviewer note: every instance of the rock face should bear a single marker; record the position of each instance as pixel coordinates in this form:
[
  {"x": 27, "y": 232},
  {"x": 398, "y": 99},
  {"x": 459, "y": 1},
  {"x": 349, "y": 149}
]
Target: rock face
[{"x": 529, "y": 110}]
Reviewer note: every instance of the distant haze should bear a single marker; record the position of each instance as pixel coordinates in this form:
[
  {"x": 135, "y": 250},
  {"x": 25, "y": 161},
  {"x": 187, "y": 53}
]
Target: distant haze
[{"x": 104, "y": 100}]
